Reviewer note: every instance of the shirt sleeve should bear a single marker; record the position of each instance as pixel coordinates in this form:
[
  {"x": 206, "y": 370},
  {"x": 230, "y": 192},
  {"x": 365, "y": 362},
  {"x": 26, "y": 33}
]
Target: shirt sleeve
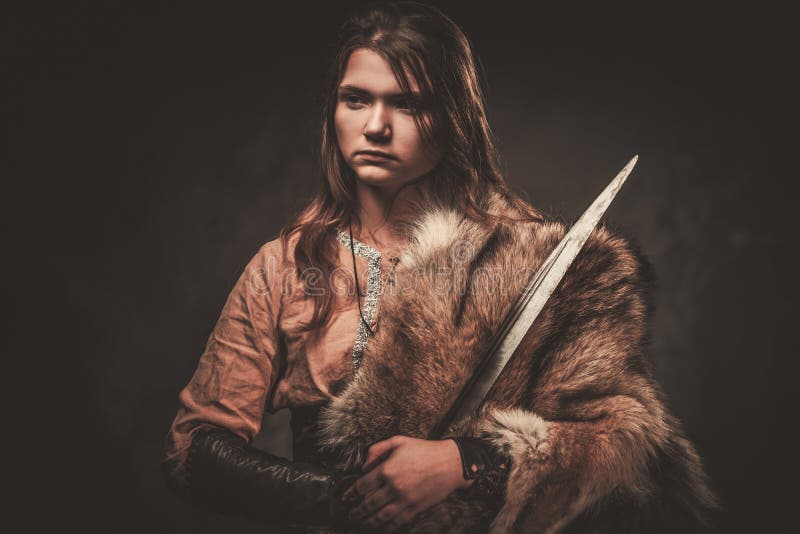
[{"x": 239, "y": 366}]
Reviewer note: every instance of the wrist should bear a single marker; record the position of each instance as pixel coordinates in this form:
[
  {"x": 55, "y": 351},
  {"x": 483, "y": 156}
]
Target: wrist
[
  {"x": 339, "y": 509},
  {"x": 457, "y": 470},
  {"x": 465, "y": 483},
  {"x": 483, "y": 466}
]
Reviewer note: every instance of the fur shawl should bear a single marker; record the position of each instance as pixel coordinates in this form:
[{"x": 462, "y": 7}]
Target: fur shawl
[{"x": 592, "y": 445}]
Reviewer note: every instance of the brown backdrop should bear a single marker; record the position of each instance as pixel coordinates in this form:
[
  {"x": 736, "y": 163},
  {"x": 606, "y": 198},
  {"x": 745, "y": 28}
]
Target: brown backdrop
[{"x": 154, "y": 149}]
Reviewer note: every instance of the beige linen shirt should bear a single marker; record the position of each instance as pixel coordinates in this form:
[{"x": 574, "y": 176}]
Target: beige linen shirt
[{"x": 258, "y": 357}]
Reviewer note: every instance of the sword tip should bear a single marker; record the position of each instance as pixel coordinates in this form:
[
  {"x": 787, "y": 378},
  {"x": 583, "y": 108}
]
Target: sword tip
[{"x": 628, "y": 168}]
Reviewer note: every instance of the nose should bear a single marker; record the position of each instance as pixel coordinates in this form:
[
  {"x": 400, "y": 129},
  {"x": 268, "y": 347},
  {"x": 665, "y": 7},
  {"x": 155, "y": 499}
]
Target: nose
[{"x": 378, "y": 126}]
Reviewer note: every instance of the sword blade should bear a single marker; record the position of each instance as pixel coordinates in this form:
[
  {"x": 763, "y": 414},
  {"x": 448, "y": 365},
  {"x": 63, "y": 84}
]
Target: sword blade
[{"x": 530, "y": 303}]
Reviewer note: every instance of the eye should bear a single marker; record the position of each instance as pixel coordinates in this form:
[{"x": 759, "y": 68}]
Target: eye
[
  {"x": 406, "y": 105},
  {"x": 409, "y": 105},
  {"x": 353, "y": 100}
]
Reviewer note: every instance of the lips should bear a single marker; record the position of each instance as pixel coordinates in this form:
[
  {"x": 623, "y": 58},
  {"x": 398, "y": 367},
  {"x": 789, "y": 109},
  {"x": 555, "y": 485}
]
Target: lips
[{"x": 376, "y": 154}]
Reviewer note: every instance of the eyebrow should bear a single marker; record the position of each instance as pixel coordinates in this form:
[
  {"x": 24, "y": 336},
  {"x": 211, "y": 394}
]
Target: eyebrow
[{"x": 362, "y": 91}]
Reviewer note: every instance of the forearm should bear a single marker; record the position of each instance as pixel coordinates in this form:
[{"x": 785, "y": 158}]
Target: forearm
[
  {"x": 225, "y": 474},
  {"x": 566, "y": 465}
]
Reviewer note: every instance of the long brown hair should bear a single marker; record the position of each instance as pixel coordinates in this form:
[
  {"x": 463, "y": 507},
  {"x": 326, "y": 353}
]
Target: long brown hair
[{"x": 419, "y": 39}]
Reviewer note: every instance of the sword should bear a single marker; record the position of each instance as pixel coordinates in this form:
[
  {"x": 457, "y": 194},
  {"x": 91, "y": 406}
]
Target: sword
[{"x": 526, "y": 309}]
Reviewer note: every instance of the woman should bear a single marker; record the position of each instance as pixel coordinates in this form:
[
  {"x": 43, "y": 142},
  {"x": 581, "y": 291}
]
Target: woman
[{"x": 574, "y": 437}]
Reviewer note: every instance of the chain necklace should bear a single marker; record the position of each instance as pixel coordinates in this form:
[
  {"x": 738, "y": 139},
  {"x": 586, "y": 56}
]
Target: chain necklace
[{"x": 358, "y": 286}]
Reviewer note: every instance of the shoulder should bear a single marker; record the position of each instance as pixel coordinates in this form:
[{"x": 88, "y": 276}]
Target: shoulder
[
  {"x": 611, "y": 254},
  {"x": 605, "y": 252},
  {"x": 271, "y": 265},
  {"x": 273, "y": 252},
  {"x": 607, "y": 257},
  {"x": 610, "y": 278},
  {"x": 610, "y": 267}
]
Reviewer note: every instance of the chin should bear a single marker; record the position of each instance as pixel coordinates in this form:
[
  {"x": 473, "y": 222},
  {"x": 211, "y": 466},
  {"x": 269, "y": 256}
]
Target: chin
[{"x": 378, "y": 177}]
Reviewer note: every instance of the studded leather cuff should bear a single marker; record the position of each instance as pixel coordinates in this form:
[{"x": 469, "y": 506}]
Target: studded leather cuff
[{"x": 486, "y": 464}]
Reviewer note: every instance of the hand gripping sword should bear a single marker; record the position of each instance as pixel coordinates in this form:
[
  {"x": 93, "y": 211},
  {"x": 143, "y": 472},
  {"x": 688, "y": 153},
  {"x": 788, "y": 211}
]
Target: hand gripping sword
[{"x": 523, "y": 313}]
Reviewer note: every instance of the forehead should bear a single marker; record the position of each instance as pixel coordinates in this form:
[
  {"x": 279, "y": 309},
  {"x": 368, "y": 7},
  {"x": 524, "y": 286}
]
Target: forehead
[{"x": 369, "y": 71}]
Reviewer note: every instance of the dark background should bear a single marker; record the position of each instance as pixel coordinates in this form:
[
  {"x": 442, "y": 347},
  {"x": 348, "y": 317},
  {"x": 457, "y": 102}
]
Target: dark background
[{"x": 154, "y": 148}]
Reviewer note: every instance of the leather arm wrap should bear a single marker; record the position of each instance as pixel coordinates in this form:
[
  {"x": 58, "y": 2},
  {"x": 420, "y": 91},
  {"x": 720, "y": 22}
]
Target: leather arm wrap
[
  {"x": 486, "y": 464},
  {"x": 228, "y": 476}
]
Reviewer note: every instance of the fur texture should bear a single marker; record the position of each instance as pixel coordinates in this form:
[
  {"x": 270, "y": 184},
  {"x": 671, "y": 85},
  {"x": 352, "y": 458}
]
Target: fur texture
[{"x": 593, "y": 447}]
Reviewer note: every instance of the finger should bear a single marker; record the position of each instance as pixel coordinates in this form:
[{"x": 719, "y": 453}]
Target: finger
[
  {"x": 364, "y": 486},
  {"x": 372, "y": 502},
  {"x": 383, "y": 516},
  {"x": 378, "y": 450},
  {"x": 404, "y": 517}
]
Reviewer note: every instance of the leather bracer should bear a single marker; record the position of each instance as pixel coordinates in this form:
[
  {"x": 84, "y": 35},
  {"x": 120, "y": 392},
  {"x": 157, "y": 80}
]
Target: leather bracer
[
  {"x": 225, "y": 474},
  {"x": 486, "y": 464}
]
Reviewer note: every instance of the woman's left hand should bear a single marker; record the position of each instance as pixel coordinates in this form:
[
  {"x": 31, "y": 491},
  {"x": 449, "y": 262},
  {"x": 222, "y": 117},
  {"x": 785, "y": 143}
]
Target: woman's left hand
[{"x": 414, "y": 475}]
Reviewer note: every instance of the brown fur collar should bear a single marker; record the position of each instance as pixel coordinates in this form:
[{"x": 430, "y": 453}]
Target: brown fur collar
[{"x": 576, "y": 408}]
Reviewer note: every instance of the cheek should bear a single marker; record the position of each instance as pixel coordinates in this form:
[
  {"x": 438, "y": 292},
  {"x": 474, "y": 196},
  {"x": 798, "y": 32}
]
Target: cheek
[
  {"x": 337, "y": 122},
  {"x": 340, "y": 121},
  {"x": 407, "y": 136},
  {"x": 344, "y": 126},
  {"x": 413, "y": 145}
]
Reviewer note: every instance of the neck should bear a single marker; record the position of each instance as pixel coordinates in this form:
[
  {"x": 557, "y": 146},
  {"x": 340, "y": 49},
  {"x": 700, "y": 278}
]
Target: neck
[{"x": 382, "y": 212}]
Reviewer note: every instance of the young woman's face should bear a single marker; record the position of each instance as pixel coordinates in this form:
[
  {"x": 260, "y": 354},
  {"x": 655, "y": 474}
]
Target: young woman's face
[{"x": 375, "y": 124}]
